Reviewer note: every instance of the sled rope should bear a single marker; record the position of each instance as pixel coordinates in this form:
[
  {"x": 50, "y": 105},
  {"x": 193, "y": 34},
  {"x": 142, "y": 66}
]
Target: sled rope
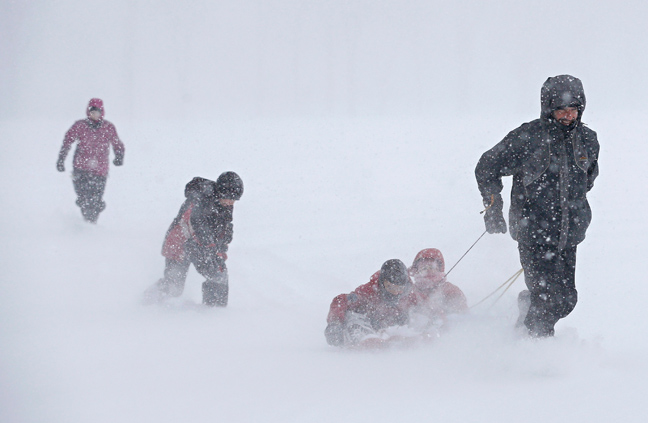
[
  {"x": 509, "y": 281},
  {"x": 455, "y": 265}
]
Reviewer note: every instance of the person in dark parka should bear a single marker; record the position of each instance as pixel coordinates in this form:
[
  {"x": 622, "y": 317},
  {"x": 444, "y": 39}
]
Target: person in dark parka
[
  {"x": 200, "y": 235},
  {"x": 554, "y": 162}
]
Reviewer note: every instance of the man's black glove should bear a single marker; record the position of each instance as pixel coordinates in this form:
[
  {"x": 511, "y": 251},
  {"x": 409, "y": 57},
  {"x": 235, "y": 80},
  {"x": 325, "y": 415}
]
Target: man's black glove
[
  {"x": 60, "y": 166},
  {"x": 119, "y": 160},
  {"x": 333, "y": 333},
  {"x": 493, "y": 217}
]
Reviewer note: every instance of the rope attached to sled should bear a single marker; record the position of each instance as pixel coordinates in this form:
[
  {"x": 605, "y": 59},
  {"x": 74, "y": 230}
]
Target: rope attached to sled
[
  {"x": 509, "y": 281},
  {"x": 455, "y": 265}
]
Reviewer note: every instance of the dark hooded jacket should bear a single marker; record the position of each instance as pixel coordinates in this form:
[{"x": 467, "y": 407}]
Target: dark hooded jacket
[
  {"x": 553, "y": 167},
  {"x": 202, "y": 221}
]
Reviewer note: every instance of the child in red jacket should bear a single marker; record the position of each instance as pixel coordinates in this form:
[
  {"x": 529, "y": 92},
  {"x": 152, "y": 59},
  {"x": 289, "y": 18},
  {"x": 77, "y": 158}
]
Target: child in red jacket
[{"x": 428, "y": 272}]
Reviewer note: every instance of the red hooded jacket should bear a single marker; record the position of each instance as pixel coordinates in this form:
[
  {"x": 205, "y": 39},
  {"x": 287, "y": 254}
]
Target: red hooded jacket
[
  {"x": 433, "y": 288},
  {"x": 95, "y": 139}
]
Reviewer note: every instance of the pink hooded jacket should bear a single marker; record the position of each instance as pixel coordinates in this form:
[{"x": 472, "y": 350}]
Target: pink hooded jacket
[{"x": 95, "y": 138}]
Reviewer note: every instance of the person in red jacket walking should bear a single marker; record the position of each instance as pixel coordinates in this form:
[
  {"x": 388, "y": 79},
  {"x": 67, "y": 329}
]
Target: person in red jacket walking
[
  {"x": 200, "y": 234},
  {"x": 428, "y": 272},
  {"x": 90, "y": 166},
  {"x": 358, "y": 318}
]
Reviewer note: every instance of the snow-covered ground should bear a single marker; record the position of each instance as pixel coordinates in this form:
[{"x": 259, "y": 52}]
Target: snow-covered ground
[
  {"x": 326, "y": 203},
  {"x": 356, "y": 127}
]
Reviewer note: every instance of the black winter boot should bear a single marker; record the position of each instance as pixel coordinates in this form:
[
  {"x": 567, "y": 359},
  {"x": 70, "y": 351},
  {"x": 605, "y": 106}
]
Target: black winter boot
[
  {"x": 90, "y": 210},
  {"x": 524, "y": 302},
  {"x": 539, "y": 322},
  {"x": 215, "y": 294}
]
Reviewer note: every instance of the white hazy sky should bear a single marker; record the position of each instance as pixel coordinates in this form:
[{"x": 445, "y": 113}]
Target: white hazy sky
[{"x": 173, "y": 59}]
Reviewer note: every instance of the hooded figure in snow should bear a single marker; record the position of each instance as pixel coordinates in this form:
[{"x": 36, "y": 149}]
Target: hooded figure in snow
[
  {"x": 200, "y": 235},
  {"x": 90, "y": 167},
  {"x": 360, "y": 317},
  {"x": 428, "y": 272},
  {"x": 553, "y": 161}
]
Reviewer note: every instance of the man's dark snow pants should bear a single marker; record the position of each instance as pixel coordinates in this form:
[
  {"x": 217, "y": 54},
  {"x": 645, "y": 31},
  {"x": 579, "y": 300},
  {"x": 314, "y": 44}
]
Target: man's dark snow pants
[{"x": 550, "y": 277}]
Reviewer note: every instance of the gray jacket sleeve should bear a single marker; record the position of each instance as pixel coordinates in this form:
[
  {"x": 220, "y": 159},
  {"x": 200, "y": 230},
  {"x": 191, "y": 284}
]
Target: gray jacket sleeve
[{"x": 502, "y": 160}]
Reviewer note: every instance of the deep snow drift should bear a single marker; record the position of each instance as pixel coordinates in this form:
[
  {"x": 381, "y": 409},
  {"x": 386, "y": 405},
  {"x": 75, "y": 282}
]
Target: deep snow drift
[{"x": 326, "y": 202}]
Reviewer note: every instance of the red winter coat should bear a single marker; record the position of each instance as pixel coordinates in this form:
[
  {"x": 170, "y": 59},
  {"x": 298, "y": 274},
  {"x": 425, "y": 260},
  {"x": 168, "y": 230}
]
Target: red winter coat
[
  {"x": 444, "y": 297},
  {"x": 367, "y": 300},
  {"x": 432, "y": 289},
  {"x": 179, "y": 233},
  {"x": 95, "y": 139}
]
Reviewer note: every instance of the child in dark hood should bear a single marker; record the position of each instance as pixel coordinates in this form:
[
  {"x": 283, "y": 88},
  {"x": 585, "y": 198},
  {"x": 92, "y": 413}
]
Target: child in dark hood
[
  {"x": 90, "y": 167},
  {"x": 200, "y": 234},
  {"x": 357, "y": 318}
]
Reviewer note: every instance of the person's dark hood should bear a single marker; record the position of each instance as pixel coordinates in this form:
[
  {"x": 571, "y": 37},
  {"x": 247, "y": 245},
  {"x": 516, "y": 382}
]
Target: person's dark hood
[
  {"x": 395, "y": 272},
  {"x": 205, "y": 193},
  {"x": 559, "y": 92},
  {"x": 199, "y": 188},
  {"x": 229, "y": 185}
]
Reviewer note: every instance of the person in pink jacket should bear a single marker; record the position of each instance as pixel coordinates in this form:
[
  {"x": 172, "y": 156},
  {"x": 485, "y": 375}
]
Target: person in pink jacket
[{"x": 90, "y": 166}]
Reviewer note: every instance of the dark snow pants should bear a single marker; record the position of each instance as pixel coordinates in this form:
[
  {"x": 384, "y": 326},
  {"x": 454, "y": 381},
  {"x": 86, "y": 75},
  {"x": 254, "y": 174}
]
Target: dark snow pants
[
  {"x": 215, "y": 289},
  {"x": 550, "y": 277},
  {"x": 89, "y": 189}
]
